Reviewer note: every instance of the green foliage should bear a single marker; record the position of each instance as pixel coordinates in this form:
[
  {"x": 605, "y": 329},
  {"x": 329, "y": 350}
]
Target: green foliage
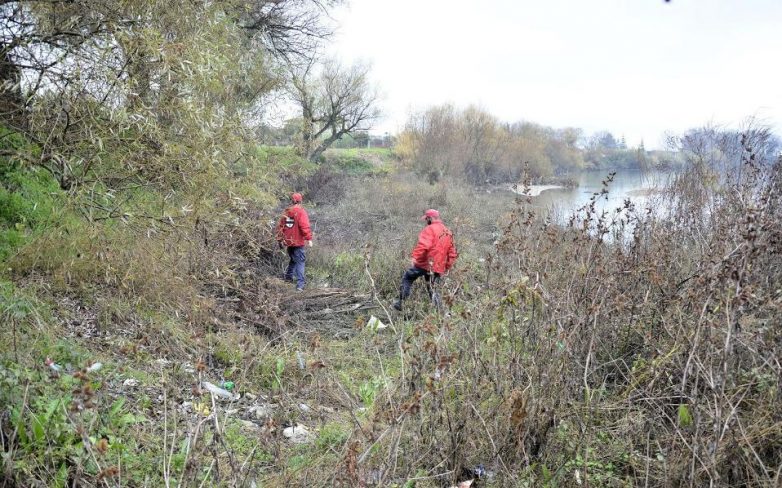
[
  {"x": 13, "y": 305},
  {"x": 685, "y": 419},
  {"x": 301, "y": 458},
  {"x": 359, "y": 161},
  {"x": 368, "y": 391},
  {"x": 60, "y": 420},
  {"x": 279, "y": 367},
  {"x": 30, "y": 199},
  {"x": 285, "y": 158},
  {"x": 332, "y": 436},
  {"x": 599, "y": 472},
  {"x": 226, "y": 351},
  {"x": 238, "y": 440}
]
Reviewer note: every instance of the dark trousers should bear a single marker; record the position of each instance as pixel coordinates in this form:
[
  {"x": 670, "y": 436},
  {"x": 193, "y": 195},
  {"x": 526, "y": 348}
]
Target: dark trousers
[
  {"x": 412, "y": 274},
  {"x": 295, "y": 267}
]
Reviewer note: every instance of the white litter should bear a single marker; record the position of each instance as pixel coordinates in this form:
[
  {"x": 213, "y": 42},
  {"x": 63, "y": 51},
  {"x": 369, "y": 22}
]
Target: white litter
[
  {"x": 375, "y": 324},
  {"x": 217, "y": 391},
  {"x": 298, "y": 434},
  {"x": 95, "y": 367}
]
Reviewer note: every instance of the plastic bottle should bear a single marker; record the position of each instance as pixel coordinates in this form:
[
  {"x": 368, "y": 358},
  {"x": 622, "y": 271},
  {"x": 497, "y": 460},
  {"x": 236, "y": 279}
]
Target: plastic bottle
[
  {"x": 216, "y": 390},
  {"x": 95, "y": 367},
  {"x": 53, "y": 366}
]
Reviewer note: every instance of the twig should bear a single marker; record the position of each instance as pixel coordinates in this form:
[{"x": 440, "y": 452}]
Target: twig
[
  {"x": 374, "y": 292},
  {"x": 208, "y": 472},
  {"x": 488, "y": 434}
]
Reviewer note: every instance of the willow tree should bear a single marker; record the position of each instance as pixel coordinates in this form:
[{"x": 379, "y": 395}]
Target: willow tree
[
  {"x": 118, "y": 93},
  {"x": 334, "y": 100}
]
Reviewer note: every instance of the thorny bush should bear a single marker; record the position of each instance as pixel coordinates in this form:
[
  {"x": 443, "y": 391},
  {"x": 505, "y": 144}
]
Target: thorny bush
[{"x": 633, "y": 346}]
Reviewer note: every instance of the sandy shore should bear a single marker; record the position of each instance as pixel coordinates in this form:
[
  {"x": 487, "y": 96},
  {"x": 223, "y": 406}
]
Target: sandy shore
[
  {"x": 643, "y": 192},
  {"x": 534, "y": 190}
]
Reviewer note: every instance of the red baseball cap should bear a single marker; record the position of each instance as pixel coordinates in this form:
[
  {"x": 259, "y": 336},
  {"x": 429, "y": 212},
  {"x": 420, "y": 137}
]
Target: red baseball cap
[
  {"x": 431, "y": 213},
  {"x": 296, "y": 197}
]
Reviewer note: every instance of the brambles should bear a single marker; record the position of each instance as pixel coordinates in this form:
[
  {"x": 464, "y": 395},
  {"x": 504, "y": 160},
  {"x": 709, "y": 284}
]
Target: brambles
[{"x": 641, "y": 328}]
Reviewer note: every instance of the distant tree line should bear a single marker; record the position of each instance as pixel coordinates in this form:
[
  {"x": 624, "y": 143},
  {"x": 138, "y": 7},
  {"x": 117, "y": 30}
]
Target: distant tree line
[
  {"x": 723, "y": 150},
  {"x": 474, "y": 144}
]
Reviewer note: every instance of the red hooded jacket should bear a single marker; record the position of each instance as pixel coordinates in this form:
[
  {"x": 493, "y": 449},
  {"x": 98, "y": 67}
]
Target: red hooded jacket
[
  {"x": 293, "y": 228},
  {"x": 435, "y": 250}
]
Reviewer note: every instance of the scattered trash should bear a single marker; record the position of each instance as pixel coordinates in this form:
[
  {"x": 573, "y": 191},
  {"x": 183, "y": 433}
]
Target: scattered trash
[
  {"x": 53, "y": 366},
  {"x": 298, "y": 434},
  {"x": 578, "y": 477},
  {"x": 438, "y": 374},
  {"x": 375, "y": 324},
  {"x": 300, "y": 359},
  {"x": 130, "y": 383},
  {"x": 464, "y": 484},
  {"x": 479, "y": 471},
  {"x": 95, "y": 367},
  {"x": 228, "y": 385},
  {"x": 304, "y": 407},
  {"x": 217, "y": 391},
  {"x": 251, "y": 396}
]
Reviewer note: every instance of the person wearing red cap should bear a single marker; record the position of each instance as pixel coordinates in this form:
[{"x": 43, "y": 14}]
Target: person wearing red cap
[
  {"x": 433, "y": 256},
  {"x": 293, "y": 232}
]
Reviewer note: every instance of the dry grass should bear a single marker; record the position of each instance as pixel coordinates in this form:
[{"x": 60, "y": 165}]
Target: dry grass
[{"x": 651, "y": 360}]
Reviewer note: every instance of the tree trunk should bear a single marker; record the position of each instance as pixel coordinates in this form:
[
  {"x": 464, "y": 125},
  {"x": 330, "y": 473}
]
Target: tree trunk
[
  {"x": 324, "y": 145},
  {"x": 307, "y": 128}
]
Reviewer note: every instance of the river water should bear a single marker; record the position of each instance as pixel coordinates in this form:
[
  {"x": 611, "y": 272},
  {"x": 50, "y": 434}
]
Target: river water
[{"x": 642, "y": 188}]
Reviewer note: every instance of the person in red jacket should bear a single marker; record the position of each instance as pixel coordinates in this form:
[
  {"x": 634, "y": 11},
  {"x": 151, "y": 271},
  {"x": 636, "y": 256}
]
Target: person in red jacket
[
  {"x": 433, "y": 256},
  {"x": 293, "y": 232}
]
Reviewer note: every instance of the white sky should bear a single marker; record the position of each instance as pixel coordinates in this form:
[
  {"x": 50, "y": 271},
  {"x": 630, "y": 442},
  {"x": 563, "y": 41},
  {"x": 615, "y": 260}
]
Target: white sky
[{"x": 638, "y": 68}]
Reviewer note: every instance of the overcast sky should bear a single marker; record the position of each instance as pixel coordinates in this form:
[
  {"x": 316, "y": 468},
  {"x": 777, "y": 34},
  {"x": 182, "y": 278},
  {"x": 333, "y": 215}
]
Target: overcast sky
[{"x": 638, "y": 68}]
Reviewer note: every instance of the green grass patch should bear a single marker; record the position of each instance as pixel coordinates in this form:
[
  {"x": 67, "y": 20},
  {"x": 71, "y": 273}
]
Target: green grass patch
[
  {"x": 357, "y": 161},
  {"x": 30, "y": 200}
]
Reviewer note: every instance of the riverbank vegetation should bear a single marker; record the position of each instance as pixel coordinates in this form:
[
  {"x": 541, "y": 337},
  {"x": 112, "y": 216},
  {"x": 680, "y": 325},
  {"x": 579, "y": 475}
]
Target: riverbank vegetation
[{"x": 474, "y": 145}]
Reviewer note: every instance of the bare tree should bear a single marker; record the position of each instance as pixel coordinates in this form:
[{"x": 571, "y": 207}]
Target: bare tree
[
  {"x": 288, "y": 29},
  {"x": 335, "y": 102}
]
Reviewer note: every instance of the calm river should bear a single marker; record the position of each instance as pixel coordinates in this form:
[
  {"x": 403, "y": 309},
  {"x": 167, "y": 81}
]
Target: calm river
[{"x": 640, "y": 187}]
